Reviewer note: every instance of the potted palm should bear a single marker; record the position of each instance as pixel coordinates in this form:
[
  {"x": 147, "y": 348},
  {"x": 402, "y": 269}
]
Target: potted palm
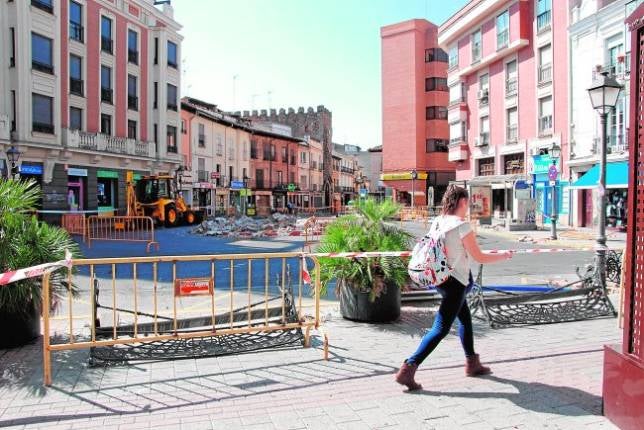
[
  {"x": 368, "y": 288},
  {"x": 26, "y": 242}
]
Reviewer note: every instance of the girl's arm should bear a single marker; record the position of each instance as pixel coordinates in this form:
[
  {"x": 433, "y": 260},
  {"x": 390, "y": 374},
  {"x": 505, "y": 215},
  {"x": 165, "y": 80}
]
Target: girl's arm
[{"x": 472, "y": 248}]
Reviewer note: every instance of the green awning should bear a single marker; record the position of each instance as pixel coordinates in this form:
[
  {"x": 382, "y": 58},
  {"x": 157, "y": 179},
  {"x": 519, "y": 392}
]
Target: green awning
[
  {"x": 616, "y": 176},
  {"x": 109, "y": 174}
]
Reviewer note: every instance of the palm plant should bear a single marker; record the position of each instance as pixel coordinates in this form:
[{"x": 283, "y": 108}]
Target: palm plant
[
  {"x": 25, "y": 242},
  {"x": 364, "y": 231}
]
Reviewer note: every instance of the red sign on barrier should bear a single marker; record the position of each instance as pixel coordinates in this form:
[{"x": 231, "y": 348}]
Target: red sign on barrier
[{"x": 193, "y": 287}]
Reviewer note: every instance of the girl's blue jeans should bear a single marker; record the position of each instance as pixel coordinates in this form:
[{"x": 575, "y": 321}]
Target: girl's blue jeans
[{"x": 453, "y": 306}]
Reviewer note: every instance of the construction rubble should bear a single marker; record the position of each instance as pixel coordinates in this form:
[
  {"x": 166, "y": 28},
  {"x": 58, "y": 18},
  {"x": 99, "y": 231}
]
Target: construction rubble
[{"x": 246, "y": 227}]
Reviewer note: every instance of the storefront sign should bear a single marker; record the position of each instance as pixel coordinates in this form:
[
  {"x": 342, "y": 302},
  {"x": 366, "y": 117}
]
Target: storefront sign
[
  {"x": 215, "y": 175},
  {"x": 481, "y": 201},
  {"x": 236, "y": 185},
  {"x": 193, "y": 287},
  {"x": 204, "y": 185},
  {"x": 107, "y": 174},
  {"x": 541, "y": 164},
  {"x": 402, "y": 176},
  {"x": 246, "y": 192},
  {"x": 76, "y": 172},
  {"x": 31, "y": 169}
]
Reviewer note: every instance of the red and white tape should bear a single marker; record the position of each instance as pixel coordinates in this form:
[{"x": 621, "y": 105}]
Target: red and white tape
[
  {"x": 34, "y": 271},
  {"x": 408, "y": 253}
]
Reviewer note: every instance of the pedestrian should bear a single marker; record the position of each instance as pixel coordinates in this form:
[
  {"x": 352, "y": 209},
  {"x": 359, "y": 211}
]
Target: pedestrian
[{"x": 459, "y": 245}]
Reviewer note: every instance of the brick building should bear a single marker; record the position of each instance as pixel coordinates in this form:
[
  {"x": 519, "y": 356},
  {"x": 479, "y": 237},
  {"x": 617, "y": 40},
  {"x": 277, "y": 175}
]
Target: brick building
[
  {"x": 414, "y": 111},
  {"x": 310, "y": 123},
  {"x": 89, "y": 90}
]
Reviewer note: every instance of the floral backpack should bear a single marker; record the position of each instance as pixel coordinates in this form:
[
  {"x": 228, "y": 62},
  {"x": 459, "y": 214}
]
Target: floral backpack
[{"x": 428, "y": 264}]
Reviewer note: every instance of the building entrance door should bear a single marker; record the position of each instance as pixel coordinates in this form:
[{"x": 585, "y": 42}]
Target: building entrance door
[
  {"x": 588, "y": 203},
  {"x": 75, "y": 196}
]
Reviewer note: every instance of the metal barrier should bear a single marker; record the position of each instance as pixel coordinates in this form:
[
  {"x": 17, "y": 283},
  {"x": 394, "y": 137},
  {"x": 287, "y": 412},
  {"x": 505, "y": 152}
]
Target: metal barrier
[
  {"x": 150, "y": 300},
  {"x": 121, "y": 228},
  {"x": 74, "y": 223},
  {"x": 313, "y": 229}
]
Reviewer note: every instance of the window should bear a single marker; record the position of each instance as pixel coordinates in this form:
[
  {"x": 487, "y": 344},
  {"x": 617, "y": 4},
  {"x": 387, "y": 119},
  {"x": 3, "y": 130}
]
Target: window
[
  {"x": 106, "y": 84},
  {"x": 435, "y": 112},
  {"x": 253, "y": 150},
  {"x": 202, "y": 136},
  {"x": 435, "y": 54},
  {"x": 131, "y": 129},
  {"x": 76, "y": 75},
  {"x": 156, "y": 50},
  {"x": 172, "y": 54},
  {"x": 302, "y": 157},
  {"x": 106, "y": 124},
  {"x": 436, "y": 145},
  {"x": 484, "y": 136},
  {"x": 545, "y": 64},
  {"x": 41, "y": 53},
  {"x": 259, "y": 178},
  {"x": 291, "y": 177},
  {"x": 545, "y": 115},
  {"x": 42, "y": 113},
  {"x": 514, "y": 164},
  {"x": 171, "y": 139},
  {"x": 220, "y": 146},
  {"x": 476, "y": 46},
  {"x": 436, "y": 84},
  {"x": 245, "y": 174},
  {"x": 231, "y": 150},
  {"x": 106, "y": 34},
  {"x": 231, "y": 172},
  {"x": 502, "y": 30},
  {"x": 46, "y": 5},
  {"x": 484, "y": 89},
  {"x": 457, "y": 93},
  {"x": 486, "y": 166},
  {"x": 132, "y": 98},
  {"x": 76, "y": 21},
  {"x": 155, "y": 104},
  {"x": 12, "y": 36},
  {"x": 13, "y": 110},
  {"x": 543, "y": 14},
  {"x": 511, "y": 78},
  {"x": 616, "y": 66},
  {"x": 453, "y": 57},
  {"x": 133, "y": 47},
  {"x": 512, "y": 132},
  {"x": 172, "y": 97},
  {"x": 75, "y": 118},
  {"x": 284, "y": 154}
]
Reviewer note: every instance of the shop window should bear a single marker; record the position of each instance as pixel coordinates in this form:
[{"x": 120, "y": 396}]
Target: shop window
[
  {"x": 486, "y": 166},
  {"x": 514, "y": 164},
  {"x": 106, "y": 192}
]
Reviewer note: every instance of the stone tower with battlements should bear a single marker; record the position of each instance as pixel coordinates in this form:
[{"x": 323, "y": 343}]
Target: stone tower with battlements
[{"x": 314, "y": 123}]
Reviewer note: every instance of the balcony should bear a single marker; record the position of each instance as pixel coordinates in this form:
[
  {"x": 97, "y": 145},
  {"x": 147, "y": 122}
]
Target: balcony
[
  {"x": 106, "y": 95},
  {"x": 619, "y": 70},
  {"x": 545, "y": 125},
  {"x": 43, "y": 5},
  {"x": 107, "y": 44},
  {"x": 617, "y": 143},
  {"x": 511, "y": 87},
  {"x": 503, "y": 39},
  {"x": 103, "y": 143},
  {"x": 133, "y": 102},
  {"x": 483, "y": 139},
  {"x": 133, "y": 56},
  {"x": 348, "y": 189},
  {"x": 545, "y": 74},
  {"x": 458, "y": 150},
  {"x": 76, "y": 32},
  {"x": 512, "y": 134},
  {"x": 543, "y": 21},
  {"x": 456, "y": 102},
  {"x": 349, "y": 170},
  {"x": 76, "y": 86},
  {"x": 203, "y": 176}
]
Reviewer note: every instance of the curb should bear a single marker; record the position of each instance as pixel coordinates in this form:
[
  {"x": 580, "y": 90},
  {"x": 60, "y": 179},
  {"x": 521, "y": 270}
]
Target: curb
[{"x": 560, "y": 243}]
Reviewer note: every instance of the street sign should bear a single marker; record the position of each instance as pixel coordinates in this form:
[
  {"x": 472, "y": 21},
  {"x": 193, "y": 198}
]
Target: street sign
[
  {"x": 552, "y": 172},
  {"x": 236, "y": 185},
  {"x": 215, "y": 175}
]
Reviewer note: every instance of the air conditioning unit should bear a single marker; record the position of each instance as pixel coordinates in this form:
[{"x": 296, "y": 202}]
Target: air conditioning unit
[{"x": 482, "y": 94}]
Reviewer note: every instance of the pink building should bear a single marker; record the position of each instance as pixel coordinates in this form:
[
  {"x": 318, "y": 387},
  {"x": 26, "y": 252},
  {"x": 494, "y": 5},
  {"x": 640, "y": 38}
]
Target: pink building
[
  {"x": 414, "y": 111},
  {"x": 508, "y": 99},
  {"x": 91, "y": 90}
]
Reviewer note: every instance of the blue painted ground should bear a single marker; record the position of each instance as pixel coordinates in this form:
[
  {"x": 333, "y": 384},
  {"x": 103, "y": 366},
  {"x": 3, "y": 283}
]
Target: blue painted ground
[{"x": 179, "y": 241}]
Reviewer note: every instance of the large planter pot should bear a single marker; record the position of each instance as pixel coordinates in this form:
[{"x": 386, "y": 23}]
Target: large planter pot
[
  {"x": 19, "y": 328},
  {"x": 356, "y": 306}
]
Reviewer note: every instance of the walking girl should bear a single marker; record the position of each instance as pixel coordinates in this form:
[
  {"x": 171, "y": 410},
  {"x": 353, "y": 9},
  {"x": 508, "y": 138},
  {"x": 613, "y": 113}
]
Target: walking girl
[{"x": 451, "y": 237}]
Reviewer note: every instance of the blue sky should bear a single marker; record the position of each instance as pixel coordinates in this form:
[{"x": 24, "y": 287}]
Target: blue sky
[{"x": 304, "y": 52}]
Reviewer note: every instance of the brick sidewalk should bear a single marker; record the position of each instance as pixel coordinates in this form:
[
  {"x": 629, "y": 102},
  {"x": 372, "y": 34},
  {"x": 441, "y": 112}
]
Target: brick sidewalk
[{"x": 544, "y": 377}]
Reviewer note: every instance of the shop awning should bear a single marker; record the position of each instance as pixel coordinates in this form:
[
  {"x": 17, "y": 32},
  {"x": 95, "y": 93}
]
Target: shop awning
[{"x": 616, "y": 176}]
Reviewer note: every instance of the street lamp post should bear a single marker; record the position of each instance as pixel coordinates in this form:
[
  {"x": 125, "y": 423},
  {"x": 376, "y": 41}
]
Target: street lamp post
[
  {"x": 555, "y": 153},
  {"x": 13, "y": 154},
  {"x": 604, "y": 94},
  {"x": 414, "y": 176}
]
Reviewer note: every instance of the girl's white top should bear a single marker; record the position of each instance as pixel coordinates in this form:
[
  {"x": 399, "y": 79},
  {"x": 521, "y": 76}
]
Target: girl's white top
[{"x": 455, "y": 229}]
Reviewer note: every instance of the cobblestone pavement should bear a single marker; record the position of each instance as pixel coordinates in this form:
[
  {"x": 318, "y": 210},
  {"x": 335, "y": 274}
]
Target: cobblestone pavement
[{"x": 544, "y": 377}]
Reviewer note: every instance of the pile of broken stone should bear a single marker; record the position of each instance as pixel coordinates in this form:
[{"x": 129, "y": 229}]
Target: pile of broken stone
[{"x": 247, "y": 227}]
